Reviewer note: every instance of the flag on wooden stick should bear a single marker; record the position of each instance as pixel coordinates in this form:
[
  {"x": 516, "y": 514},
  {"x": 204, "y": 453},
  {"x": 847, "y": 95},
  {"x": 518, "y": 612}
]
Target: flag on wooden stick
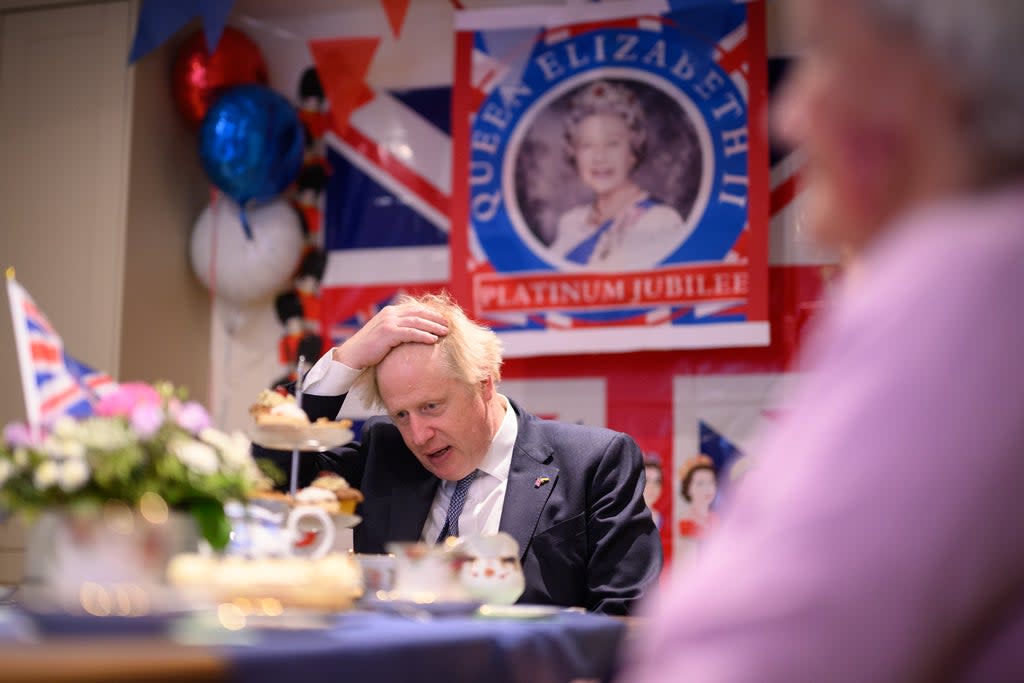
[{"x": 53, "y": 382}]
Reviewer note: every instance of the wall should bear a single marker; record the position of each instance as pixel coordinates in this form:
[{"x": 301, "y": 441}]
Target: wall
[
  {"x": 99, "y": 187},
  {"x": 65, "y": 126},
  {"x": 166, "y": 311}
]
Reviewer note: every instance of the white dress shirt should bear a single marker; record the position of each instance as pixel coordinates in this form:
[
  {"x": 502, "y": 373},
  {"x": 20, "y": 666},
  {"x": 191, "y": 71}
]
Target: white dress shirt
[
  {"x": 486, "y": 496},
  {"x": 328, "y": 377}
]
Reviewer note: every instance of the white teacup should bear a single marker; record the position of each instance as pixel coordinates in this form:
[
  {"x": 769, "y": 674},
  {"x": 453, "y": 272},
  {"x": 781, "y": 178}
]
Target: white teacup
[
  {"x": 378, "y": 572},
  {"x": 425, "y": 573},
  {"x": 491, "y": 571}
]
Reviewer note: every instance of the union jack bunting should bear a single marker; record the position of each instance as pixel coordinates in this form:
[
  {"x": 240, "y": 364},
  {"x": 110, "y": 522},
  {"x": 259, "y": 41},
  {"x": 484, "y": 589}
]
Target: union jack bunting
[{"x": 54, "y": 383}]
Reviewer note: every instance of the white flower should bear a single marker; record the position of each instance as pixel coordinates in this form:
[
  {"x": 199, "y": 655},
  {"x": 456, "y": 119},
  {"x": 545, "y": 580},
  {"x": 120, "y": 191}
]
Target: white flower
[
  {"x": 60, "y": 447},
  {"x": 45, "y": 475},
  {"x": 241, "y": 446},
  {"x": 6, "y": 470},
  {"x": 73, "y": 475},
  {"x": 196, "y": 456},
  {"x": 65, "y": 427},
  {"x": 215, "y": 438},
  {"x": 235, "y": 449},
  {"x": 105, "y": 434}
]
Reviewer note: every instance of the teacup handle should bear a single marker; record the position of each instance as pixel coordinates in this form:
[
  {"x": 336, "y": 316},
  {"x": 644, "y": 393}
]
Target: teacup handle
[{"x": 324, "y": 539}]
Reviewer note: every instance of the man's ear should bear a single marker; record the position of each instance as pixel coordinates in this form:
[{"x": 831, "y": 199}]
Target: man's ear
[{"x": 487, "y": 390}]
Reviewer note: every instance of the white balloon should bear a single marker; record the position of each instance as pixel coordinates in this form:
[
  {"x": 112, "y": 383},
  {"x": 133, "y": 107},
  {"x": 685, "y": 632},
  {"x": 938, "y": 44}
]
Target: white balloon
[{"x": 245, "y": 271}]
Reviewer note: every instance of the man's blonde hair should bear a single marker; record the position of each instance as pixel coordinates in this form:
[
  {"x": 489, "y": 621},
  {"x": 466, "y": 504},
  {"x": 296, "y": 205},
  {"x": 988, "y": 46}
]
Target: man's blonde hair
[{"x": 471, "y": 351}]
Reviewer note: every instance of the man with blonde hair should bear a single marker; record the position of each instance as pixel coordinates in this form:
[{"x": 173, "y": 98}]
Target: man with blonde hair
[{"x": 453, "y": 456}]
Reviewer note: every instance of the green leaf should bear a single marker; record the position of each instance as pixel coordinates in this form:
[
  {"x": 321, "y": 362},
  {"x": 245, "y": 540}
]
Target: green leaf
[
  {"x": 213, "y": 523},
  {"x": 270, "y": 470}
]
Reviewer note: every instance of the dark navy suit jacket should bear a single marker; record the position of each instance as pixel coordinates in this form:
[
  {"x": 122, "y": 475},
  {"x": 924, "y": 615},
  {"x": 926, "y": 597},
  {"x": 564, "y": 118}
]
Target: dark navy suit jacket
[{"x": 586, "y": 535}]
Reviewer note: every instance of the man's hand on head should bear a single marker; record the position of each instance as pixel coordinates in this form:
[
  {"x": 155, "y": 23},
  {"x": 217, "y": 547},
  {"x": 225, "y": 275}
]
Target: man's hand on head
[{"x": 392, "y": 326}]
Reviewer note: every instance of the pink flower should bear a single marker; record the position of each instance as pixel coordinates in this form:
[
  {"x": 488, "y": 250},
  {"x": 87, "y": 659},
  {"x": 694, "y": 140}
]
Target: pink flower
[
  {"x": 146, "y": 419},
  {"x": 192, "y": 417},
  {"x": 17, "y": 434},
  {"x": 122, "y": 401}
]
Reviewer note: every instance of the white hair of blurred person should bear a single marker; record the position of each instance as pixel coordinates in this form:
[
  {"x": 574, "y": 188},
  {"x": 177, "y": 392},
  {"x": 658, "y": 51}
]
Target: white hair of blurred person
[{"x": 900, "y": 103}]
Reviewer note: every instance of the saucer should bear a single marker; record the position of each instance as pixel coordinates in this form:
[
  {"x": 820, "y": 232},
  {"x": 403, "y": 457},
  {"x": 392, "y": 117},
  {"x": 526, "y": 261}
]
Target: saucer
[
  {"x": 411, "y": 608},
  {"x": 490, "y": 611},
  {"x": 155, "y": 609},
  {"x": 55, "y": 623}
]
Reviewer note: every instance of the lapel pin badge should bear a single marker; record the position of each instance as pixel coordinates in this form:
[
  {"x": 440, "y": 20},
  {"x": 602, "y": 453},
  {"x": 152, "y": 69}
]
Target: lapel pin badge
[{"x": 541, "y": 481}]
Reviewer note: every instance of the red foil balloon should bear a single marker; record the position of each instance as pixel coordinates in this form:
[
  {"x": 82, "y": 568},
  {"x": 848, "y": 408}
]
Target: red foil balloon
[{"x": 199, "y": 78}]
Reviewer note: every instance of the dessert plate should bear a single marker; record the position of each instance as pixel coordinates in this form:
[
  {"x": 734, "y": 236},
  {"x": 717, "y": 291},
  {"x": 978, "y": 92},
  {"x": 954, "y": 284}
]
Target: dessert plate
[
  {"x": 421, "y": 610},
  {"x": 343, "y": 521},
  {"x": 64, "y": 624},
  {"x": 163, "y": 608},
  {"x": 311, "y": 437},
  {"x": 490, "y": 611}
]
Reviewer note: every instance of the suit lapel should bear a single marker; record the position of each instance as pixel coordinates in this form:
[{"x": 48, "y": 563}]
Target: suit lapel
[
  {"x": 531, "y": 479},
  {"x": 410, "y": 505}
]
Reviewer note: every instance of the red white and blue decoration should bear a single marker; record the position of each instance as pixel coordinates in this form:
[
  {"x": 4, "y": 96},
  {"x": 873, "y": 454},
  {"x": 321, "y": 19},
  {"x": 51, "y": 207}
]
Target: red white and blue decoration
[
  {"x": 684, "y": 263},
  {"x": 388, "y": 188},
  {"x": 251, "y": 146},
  {"x": 53, "y": 382},
  {"x": 161, "y": 19}
]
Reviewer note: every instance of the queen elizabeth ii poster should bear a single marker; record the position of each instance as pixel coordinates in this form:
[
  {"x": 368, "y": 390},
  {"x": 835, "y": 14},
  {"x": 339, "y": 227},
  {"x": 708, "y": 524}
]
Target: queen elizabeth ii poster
[{"x": 609, "y": 193}]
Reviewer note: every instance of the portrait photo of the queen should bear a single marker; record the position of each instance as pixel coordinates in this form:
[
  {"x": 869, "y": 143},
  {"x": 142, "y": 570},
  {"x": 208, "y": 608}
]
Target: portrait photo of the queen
[{"x": 608, "y": 176}]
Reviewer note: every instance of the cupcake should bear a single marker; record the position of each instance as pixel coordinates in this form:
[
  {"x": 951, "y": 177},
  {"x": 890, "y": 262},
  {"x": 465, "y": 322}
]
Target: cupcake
[
  {"x": 346, "y": 496},
  {"x": 275, "y": 408},
  {"x": 320, "y": 498}
]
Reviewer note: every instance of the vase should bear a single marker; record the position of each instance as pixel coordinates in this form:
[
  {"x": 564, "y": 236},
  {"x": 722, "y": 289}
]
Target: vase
[{"x": 104, "y": 562}]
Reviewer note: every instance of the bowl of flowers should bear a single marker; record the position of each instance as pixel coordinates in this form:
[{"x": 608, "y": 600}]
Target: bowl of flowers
[{"x": 109, "y": 497}]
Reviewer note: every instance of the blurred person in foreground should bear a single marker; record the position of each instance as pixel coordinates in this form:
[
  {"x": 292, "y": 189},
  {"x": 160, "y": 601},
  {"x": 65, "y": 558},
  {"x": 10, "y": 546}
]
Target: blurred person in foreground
[
  {"x": 571, "y": 495},
  {"x": 881, "y": 537}
]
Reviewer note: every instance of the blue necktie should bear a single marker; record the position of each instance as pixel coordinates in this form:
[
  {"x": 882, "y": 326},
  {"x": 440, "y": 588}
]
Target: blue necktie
[{"x": 451, "y": 521}]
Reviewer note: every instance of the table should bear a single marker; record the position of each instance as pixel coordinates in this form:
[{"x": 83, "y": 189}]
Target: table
[
  {"x": 109, "y": 660},
  {"x": 358, "y": 646},
  {"x": 381, "y": 648}
]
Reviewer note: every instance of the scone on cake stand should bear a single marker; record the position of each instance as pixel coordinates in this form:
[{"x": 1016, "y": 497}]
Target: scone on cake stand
[{"x": 279, "y": 423}]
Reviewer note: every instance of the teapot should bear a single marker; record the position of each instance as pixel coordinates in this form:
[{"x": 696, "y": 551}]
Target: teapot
[
  {"x": 490, "y": 571},
  {"x": 258, "y": 530}
]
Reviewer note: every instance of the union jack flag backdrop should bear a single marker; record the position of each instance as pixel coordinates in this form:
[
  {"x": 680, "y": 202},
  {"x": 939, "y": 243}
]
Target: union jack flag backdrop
[
  {"x": 54, "y": 383},
  {"x": 388, "y": 191}
]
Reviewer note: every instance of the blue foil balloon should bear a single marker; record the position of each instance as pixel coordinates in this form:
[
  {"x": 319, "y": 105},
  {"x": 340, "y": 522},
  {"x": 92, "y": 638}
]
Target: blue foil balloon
[{"x": 251, "y": 145}]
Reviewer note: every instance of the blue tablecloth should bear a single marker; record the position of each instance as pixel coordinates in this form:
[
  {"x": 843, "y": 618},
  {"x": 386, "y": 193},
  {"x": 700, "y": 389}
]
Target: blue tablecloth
[{"x": 377, "y": 648}]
